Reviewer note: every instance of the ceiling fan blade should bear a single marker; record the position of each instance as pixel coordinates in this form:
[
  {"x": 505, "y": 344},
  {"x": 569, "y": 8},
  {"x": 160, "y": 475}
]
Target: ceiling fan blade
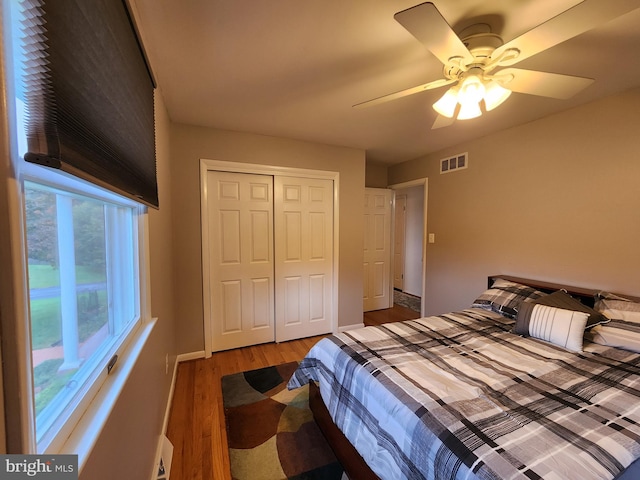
[
  {"x": 425, "y": 22},
  {"x": 442, "y": 121},
  {"x": 541, "y": 83},
  {"x": 403, "y": 93},
  {"x": 571, "y": 23}
]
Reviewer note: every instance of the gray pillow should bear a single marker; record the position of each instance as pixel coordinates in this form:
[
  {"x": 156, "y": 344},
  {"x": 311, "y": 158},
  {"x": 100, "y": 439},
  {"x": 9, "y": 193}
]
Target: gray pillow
[{"x": 562, "y": 299}]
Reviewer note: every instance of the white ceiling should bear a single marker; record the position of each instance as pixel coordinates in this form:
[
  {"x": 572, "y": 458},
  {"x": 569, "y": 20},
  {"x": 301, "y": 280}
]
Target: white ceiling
[{"x": 294, "y": 68}]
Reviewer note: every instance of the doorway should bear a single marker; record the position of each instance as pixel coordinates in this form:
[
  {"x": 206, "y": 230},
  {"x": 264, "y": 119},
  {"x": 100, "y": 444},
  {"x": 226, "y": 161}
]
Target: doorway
[{"x": 410, "y": 239}]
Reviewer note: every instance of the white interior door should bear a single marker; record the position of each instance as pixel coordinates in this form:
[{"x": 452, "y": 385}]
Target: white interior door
[
  {"x": 304, "y": 257},
  {"x": 240, "y": 229},
  {"x": 399, "y": 241},
  {"x": 377, "y": 249}
]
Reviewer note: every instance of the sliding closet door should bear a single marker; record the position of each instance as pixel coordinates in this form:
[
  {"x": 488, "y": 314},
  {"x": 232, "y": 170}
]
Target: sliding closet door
[
  {"x": 240, "y": 233},
  {"x": 303, "y": 256}
]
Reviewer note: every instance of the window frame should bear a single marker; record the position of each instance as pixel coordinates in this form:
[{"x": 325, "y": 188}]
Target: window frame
[
  {"x": 81, "y": 430},
  {"x": 53, "y": 442}
]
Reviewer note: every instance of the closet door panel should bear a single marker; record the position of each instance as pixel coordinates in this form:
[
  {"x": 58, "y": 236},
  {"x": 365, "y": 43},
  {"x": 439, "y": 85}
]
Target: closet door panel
[
  {"x": 303, "y": 214},
  {"x": 291, "y": 305},
  {"x": 240, "y": 222},
  {"x": 292, "y": 237}
]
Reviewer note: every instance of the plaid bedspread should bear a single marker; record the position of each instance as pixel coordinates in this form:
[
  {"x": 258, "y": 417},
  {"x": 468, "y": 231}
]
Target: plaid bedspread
[{"x": 459, "y": 396}]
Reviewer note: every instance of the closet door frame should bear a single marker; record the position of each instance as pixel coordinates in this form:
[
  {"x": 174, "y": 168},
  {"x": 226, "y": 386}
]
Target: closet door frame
[{"x": 237, "y": 167}]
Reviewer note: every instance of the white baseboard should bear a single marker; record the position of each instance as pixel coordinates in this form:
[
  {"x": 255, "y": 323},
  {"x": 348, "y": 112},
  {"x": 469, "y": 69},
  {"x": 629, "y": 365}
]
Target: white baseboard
[
  {"x": 167, "y": 410},
  {"x": 350, "y": 327},
  {"x": 164, "y": 450},
  {"x": 183, "y": 357}
]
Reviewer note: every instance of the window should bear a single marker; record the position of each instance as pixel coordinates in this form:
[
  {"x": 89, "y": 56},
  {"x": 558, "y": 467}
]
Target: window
[
  {"x": 86, "y": 269},
  {"x": 83, "y": 270}
]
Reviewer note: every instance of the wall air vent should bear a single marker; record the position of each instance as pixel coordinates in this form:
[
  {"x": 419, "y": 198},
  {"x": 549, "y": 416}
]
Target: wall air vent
[{"x": 456, "y": 162}]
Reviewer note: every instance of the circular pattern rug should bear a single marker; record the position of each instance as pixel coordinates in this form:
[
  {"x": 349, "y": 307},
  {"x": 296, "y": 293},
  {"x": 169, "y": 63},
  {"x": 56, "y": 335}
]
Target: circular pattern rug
[{"x": 271, "y": 431}]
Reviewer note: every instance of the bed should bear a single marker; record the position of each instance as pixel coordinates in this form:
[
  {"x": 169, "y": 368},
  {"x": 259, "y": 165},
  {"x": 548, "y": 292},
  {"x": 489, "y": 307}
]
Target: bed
[{"x": 461, "y": 395}]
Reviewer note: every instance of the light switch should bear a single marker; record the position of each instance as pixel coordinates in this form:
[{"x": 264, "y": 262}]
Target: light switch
[{"x": 432, "y": 238}]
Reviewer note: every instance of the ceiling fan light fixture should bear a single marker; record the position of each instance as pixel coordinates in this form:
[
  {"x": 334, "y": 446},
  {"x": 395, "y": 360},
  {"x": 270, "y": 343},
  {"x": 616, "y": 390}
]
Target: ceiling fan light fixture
[
  {"x": 469, "y": 110},
  {"x": 472, "y": 90},
  {"x": 495, "y": 95},
  {"x": 447, "y": 104}
]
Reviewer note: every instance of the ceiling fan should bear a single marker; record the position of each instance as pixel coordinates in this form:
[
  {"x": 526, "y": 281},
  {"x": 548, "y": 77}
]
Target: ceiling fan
[{"x": 477, "y": 61}]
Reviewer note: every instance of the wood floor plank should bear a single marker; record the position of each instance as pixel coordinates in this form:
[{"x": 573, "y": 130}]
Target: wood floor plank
[
  {"x": 197, "y": 427},
  {"x": 396, "y": 314}
]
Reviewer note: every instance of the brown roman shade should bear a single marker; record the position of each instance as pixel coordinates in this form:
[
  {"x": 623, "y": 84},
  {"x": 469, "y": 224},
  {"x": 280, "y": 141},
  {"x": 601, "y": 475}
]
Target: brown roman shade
[{"x": 89, "y": 95}]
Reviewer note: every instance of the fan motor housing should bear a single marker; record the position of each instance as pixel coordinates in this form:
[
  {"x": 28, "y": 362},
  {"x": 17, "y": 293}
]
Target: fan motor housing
[{"x": 480, "y": 42}]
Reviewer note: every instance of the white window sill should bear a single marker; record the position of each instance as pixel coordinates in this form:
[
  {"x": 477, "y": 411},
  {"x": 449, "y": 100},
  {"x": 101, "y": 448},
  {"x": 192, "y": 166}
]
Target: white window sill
[{"x": 86, "y": 432}]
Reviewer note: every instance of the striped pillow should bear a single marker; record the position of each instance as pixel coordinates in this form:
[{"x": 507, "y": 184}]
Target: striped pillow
[
  {"x": 504, "y": 297},
  {"x": 618, "y": 333},
  {"x": 624, "y": 329},
  {"x": 617, "y": 308},
  {"x": 561, "y": 327}
]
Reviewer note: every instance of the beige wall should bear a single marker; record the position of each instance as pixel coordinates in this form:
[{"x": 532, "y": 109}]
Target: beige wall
[
  {"x": 376, "y": 175},
  {"x": 127, "y": 445},
  {"x": 555, "y": 199},
  {"x": 189, "y": 144}
]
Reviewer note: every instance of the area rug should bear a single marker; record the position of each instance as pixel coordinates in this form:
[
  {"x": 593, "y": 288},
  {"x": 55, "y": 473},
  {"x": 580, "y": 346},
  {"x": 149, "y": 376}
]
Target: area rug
[
  {"x": 406, "y": 300},
  {"x": 271, "y": 431}
]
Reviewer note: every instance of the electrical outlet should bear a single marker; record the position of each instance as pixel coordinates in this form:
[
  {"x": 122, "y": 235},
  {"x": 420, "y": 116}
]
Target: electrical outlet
[{"x": 166, "y": 364}]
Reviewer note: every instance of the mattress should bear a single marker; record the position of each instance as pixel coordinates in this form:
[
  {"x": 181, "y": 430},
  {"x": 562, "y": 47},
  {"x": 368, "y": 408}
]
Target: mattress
[{"x": 460, "y": 396}]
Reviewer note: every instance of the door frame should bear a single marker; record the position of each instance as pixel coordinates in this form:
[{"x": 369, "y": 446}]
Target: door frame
[
  {"x": 414, "y": 183},
  {"x": 394, "y": 225},
  {"x": 207, "y": 165}
]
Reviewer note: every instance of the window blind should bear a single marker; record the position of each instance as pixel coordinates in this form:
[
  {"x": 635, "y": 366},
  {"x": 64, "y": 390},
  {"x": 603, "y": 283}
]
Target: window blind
[{"x": 89, "y": 95}]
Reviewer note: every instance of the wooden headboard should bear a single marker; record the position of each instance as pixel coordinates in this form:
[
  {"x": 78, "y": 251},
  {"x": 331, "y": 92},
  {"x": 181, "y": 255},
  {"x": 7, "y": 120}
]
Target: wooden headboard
[{"x": 585, "y": 295}]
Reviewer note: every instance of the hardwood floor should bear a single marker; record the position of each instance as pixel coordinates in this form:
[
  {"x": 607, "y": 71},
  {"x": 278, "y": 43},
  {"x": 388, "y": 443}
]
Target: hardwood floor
[
  {"x": 396, "y": 314},
  {"x": 196, "y": 426}
]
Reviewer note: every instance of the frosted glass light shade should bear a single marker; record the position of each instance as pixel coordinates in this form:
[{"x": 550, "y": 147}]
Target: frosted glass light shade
[
  {"x": 466, "y": 97},
  {"x": 469, "y": 110},
  {"x": 446, "y": 106},
  {"x": 495, "y": 95},
  {"x": 472, "y": 90}
]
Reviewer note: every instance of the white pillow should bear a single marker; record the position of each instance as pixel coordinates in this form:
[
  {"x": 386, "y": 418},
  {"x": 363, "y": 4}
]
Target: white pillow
[
  {"x": 618, "y": 333},
  {"x": 617, "y": 308},
  {"x": 561, "y": 327},
  {"x": 624, "y": 329}
]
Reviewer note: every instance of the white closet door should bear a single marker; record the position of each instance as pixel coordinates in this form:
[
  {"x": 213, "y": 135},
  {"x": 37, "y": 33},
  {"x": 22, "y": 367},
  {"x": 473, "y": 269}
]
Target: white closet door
[
  {"x": 377, "y": 249},
  {"x": 303, "y": 256},
  {"x": 240, "y": 229}
]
